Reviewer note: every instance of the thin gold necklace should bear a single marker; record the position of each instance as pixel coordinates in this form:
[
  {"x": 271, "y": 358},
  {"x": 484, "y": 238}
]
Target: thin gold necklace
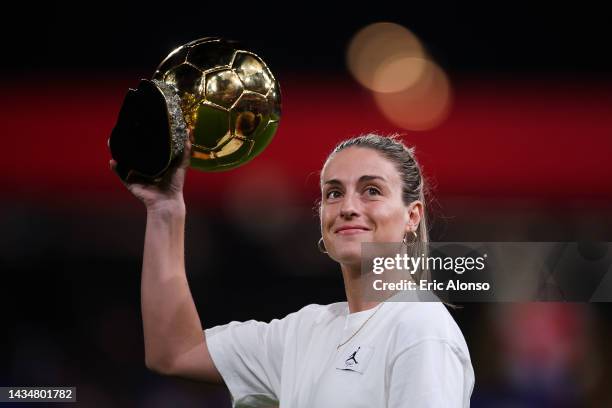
[{"x": 360, "y": 327}]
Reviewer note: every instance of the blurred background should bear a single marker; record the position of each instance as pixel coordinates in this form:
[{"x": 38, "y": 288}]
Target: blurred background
[{"x": 509, "y": 108}]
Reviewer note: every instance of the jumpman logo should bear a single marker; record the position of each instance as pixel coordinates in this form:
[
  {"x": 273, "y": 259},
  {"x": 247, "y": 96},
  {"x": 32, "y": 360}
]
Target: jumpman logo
[{"x": 352, "y": 357}]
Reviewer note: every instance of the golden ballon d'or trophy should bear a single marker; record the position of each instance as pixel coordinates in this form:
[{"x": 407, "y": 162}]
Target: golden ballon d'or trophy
[{"x": 223, "y": 95}]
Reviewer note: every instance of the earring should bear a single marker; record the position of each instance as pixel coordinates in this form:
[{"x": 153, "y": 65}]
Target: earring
[
  {"x": 405, "y": 240},
  {"x": 321, "y": 246}
]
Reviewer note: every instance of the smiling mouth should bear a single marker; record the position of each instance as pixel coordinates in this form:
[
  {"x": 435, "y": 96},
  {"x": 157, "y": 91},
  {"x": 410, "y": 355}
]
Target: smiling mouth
[{"x": 351, "y": 231}]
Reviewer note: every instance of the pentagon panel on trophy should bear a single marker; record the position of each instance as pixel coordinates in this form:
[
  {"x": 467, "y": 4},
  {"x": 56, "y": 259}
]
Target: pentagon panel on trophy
[{"x": 223, "y": 96}]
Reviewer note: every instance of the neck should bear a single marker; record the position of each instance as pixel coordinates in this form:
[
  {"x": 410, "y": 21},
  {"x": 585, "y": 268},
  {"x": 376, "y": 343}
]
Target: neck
[{"x": 353, "y": 281}]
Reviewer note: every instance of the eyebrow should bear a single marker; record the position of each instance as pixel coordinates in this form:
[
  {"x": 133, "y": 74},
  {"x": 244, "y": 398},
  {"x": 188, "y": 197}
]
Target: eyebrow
[{"x": 363, "y": 178}]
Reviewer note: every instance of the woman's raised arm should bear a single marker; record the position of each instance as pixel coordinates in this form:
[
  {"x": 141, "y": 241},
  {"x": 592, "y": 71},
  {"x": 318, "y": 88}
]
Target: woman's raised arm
[{"x": 173, "y": 336}]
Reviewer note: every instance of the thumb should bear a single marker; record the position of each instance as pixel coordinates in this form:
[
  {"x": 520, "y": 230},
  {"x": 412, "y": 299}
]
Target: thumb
[{"x": 186, "y": 159}]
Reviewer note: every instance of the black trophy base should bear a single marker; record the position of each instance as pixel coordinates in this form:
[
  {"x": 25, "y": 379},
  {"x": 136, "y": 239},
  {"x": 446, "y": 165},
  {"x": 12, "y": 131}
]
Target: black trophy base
[{"x": 140, "y": 141}]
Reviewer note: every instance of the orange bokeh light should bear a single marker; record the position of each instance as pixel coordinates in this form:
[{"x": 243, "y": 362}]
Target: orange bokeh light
[
  {"x": 382, "y": 45},
  {"x": 422, "y": 106}
]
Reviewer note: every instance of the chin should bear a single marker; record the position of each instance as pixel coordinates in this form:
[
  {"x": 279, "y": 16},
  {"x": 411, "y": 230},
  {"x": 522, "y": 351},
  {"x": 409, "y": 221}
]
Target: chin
[{"x": 348, "y": 254}]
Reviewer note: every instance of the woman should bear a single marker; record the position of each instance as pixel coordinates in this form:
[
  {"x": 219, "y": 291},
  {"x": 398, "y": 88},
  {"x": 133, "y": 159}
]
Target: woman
[{"x": 358, "y": 353}]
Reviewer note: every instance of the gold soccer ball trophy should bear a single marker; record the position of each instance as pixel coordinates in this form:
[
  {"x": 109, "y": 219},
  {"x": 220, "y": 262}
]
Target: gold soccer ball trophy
[{"x": 224, "y": 95}]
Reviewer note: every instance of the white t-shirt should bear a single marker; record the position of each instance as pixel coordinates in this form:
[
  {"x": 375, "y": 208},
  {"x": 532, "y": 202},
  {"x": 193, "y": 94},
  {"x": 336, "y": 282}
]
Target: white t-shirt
[{"x": 409, "y": 354}]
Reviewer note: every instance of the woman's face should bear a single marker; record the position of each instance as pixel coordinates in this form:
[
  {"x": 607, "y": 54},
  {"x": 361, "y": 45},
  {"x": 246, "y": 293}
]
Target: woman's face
[{"x": 361, "y": 201}]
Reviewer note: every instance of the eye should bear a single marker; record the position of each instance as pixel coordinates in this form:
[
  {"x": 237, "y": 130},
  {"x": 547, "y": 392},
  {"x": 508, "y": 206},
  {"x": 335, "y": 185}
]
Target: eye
[
  {"x": 330, "y": 192},
  {"x": 373, "y": 191}
]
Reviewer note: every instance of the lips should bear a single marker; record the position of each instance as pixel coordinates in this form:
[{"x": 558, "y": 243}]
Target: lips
[{"x": 351, "y": 229}]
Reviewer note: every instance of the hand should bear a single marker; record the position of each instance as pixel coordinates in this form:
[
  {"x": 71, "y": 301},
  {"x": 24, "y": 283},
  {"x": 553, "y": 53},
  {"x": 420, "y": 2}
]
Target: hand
[{"x": 168, "y": 192}]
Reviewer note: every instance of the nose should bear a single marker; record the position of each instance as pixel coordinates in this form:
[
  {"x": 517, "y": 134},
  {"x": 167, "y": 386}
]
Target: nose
[{"x": 349, "y": 207}]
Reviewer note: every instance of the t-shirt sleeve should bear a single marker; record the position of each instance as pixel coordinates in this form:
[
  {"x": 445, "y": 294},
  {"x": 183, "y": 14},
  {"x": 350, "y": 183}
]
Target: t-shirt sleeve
[
  {"x": 431, "y": 373},
  {"x": 249, "y": 357}
]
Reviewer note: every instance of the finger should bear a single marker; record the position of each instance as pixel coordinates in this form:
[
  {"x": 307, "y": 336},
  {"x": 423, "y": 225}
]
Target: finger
[
  {"x": 135, "y": 178},
  {"x": 114, "y": 168},
  {"x": 186, "y": 154}
]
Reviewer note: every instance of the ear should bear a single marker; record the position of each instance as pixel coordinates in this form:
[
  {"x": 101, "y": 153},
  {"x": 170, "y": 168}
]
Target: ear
[
  {"x": 414, "y": 213},
  {"x": 319, "y": 209}
]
